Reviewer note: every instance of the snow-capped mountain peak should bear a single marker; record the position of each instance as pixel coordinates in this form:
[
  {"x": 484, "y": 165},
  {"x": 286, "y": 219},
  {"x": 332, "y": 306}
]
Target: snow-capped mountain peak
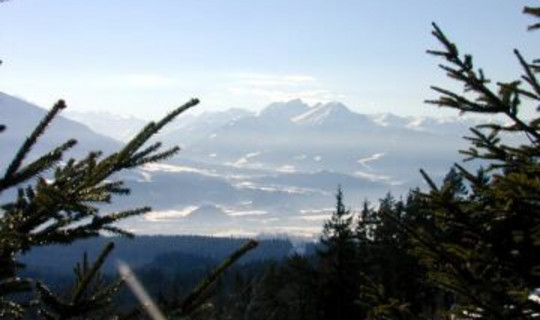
[
  {"x": 284, "y": 110},
  {"x": 321, "y": 113},
  {"x": 390, "y": 120}
]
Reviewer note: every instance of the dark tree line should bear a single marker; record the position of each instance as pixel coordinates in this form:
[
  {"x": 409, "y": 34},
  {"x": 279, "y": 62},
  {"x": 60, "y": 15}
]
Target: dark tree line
[
  {"x": 144, "y": 250},
  {"x": 361, "y": 268}
]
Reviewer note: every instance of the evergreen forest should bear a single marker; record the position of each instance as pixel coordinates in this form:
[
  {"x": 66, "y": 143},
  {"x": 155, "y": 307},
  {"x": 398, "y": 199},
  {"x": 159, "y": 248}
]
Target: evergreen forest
[{"x": 464, "y": 248}]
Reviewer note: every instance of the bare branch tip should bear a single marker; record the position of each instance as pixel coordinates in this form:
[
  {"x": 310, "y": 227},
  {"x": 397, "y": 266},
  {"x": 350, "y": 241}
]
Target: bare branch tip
[{"x": 61, "y": 104}]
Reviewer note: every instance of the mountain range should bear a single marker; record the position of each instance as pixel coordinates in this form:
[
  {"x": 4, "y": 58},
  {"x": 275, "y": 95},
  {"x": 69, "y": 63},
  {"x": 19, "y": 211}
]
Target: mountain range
[{"x": 271, "y": 172}]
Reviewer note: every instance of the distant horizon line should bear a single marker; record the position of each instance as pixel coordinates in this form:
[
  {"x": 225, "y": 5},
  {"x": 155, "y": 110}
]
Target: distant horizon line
[{"x": 199, "y": 111}]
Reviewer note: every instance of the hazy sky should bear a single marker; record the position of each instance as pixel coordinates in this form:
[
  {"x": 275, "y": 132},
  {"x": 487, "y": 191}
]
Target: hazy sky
[{"x": 144, "y": 57}]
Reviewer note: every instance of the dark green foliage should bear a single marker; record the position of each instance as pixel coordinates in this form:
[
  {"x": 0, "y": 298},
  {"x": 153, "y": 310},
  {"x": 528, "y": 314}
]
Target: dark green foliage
[
  {"x": 197, "y": 303},
  {"x": 476, "y": 237},
  {"x": 391, "y": 281},
  {"x": 91, "y": 296},
  {"x": 362, "y": 270},
  {"x": 482, "y": 244},
  {"x": 285, "y": 291},
  {"x": 56, "y": 203},
  {"x": 196, "y": 297},
  {"x": 339, "y": 264}
]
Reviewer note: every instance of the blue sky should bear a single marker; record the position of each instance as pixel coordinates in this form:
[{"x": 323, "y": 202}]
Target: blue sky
[{"x": 143, "y": 57}]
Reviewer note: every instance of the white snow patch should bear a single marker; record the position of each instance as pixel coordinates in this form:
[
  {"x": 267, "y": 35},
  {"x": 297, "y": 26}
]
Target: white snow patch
[
  {"x": 156, "y": 216},
  {"x": 416, "y": 123},
  {"x": 273, "y": 188},
  {"x": 308, "y": 232},
  {"x": 317, "y": 158},
  {"x": 162, "y": 167},
  {"x": 286, "y": 169},
  {"x": 318, "y": 217},
  {"x": 238, "y": 163},
  {"x": 242, "y": 162},
  {"x": 381, "y": 120},
  {"x": 212, "y": 155},
  {"x": 316, "y": 211},
  {"x": 300, "y": 157},
  {"x": 247, "y": 213},
  {"x": 245, "y": 185},
  {"x": 317, "y": 114},
  {"x": 212, "y": 136},
  {"x": 373, "y": 157},
  {"x": 371, "y": 176}
]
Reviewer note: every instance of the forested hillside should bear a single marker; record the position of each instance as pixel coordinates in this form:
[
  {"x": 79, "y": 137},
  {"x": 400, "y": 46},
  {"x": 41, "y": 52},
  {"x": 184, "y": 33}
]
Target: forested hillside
[{"x": 144, "y": 250}]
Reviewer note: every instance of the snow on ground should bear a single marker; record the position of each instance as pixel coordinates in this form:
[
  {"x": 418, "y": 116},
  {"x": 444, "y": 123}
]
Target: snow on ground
[
  {"x": 245, "y": 161},
  {"x": 162, "y": 167},
  {"x": 233, "y": 213},
  {"x": 156, "y": 216},
  {"x": 371, "y": 176},
  {"x": 364, "y": 161},
  {"x": 320, "y": 217},
  {"x": 275, "y": 188},
  {"x": 286, "y": 169}
]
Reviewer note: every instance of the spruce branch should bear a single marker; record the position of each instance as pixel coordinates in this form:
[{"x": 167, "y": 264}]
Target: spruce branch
[
  {"x": 124, "y": 157},
  {"x": 507, "y": 100},
  {"x": 428, "y": 180},
  {"x": 11, "y": 286},
  {"x": 89, "y": 275},
  {"x": 535, "y": 12},
  {"x": 156, "y": 157},
  {"x": 32, "y": 139},
  {"x": 86, "y": 299},
  {"x": 11, "y": 310},
  {"x": 529, "y": 76},
  {"x": 63, "y": 207},
  {"x": 31, "y": 170}
]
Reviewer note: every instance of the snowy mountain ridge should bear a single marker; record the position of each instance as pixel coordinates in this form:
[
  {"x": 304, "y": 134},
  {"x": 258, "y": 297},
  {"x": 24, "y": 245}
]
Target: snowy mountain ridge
[{"x": 270, "y": 172}]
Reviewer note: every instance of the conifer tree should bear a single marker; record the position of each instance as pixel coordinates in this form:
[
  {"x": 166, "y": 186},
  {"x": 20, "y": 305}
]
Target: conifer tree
[
  {"x": 391, "y": 281},
  {"x": 482, "y": 243},
  {"x": 339, "y": 264}
]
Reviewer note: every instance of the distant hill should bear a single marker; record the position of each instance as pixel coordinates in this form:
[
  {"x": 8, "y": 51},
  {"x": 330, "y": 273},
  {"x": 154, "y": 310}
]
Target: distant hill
[
  {"x": 145, "y": 250},
  {"x": 21, "y": 118}
]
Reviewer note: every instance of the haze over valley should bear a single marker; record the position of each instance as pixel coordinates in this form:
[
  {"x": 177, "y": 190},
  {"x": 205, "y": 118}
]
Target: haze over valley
[{"x": 244, "y": 173}]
